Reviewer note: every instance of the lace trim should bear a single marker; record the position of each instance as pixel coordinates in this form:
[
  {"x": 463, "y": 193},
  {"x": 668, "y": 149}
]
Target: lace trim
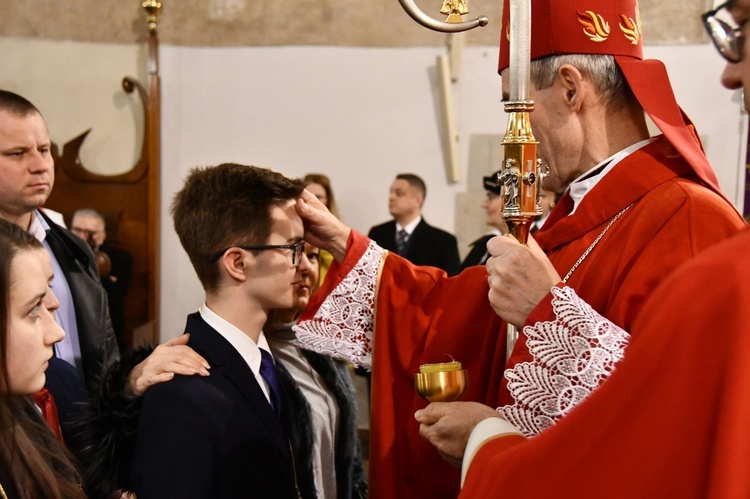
[
  {"x": 572, "y": 356},
  {"x": 342, "y": 327}
]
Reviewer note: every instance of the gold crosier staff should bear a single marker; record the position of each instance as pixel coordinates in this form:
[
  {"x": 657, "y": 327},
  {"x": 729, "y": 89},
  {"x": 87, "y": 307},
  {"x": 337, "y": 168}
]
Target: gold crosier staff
[{"x": 521, "y": 171}]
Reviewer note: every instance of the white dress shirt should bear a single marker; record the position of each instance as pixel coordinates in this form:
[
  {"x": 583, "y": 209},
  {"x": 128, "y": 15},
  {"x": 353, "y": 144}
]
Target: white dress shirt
[
  {"x": 245, "y": 346},
  {"x": 409, "y": 228},
  {"x": 69, "y": 348}
]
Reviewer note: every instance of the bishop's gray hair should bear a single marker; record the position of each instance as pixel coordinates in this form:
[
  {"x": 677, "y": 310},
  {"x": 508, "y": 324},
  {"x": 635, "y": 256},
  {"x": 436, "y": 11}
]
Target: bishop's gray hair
[{"x": 602, "y": 70}]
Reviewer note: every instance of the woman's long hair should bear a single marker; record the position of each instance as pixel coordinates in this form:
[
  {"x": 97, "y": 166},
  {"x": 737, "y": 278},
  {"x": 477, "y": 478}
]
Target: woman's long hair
[{"x": 30, "y": 455}]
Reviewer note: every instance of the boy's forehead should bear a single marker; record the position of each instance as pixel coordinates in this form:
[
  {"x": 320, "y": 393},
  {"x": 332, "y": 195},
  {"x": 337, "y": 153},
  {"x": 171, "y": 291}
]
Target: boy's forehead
[{"x": 286, "y": 220}]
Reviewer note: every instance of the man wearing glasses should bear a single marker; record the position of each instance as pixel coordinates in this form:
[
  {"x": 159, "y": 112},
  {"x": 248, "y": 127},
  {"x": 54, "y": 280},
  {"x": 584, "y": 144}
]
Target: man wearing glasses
[
  {"x": 672, "y": 420},
  {"x": 228, "y": 435},
  {"x": 634, "y": 208}
]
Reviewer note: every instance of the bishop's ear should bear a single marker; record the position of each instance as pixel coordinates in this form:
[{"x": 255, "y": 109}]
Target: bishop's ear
[{"x": 573, "y": 84}]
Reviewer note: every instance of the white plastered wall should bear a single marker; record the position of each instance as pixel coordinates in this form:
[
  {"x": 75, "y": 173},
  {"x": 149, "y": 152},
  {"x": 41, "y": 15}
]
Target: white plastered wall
[{"x": 359, "y": 115}]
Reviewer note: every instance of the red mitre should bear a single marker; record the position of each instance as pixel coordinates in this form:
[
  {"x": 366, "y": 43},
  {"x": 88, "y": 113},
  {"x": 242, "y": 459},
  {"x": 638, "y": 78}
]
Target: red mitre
[{"x": 613, "y": 27}]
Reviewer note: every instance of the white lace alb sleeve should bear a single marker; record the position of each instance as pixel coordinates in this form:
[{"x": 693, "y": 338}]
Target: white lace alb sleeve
[
  {"x": 572, "y": 356},
  {"x": 342, "y": 327}
]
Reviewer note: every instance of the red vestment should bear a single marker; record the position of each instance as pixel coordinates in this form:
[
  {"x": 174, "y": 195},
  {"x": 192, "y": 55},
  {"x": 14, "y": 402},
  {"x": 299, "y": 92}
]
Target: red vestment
[
  {"x": 672, "y": 421},
  {"x": 421, "y": 316}
]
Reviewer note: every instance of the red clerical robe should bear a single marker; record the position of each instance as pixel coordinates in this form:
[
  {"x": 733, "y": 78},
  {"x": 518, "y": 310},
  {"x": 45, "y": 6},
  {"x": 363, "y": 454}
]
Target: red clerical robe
[
  {"x": 671, "y": 421},
  {"x": 421, "y": 316}
]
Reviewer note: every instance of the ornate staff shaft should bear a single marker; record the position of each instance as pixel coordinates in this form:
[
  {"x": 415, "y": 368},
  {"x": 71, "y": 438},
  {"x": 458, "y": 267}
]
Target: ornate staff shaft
[{"x": 521, "y": 169}]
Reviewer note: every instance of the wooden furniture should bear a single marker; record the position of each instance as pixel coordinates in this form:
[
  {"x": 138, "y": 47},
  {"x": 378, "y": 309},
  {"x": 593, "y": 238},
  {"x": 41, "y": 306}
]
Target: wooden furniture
[{"x": 129, "y": 202}]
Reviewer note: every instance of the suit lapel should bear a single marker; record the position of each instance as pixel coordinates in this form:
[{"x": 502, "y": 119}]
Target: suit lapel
[
  {"x": 390, "y": 236},
  {"x": 226, "y": 361},
  {"x": 414, "y": 243}
]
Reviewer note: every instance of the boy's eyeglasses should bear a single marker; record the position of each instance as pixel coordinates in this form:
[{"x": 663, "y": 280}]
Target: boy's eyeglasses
[{"x": 297, "y": 249}]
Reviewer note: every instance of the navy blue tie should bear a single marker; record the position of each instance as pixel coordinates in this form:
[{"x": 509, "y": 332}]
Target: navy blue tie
[{"x": 271, "y": 375}]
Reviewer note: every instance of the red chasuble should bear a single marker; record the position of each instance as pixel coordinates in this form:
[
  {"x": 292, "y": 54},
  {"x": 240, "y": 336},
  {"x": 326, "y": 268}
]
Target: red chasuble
[
  {"x": 421, "y": 316},
  {"x": 672, "y": 421}
]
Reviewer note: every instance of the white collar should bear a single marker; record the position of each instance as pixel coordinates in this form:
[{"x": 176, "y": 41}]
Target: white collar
[
  {"x": 247, "y": 348},
  {"x": 38, "y": 226},
  {"x": 409, "y": 228},
  {"x": 583, "y": 185}
]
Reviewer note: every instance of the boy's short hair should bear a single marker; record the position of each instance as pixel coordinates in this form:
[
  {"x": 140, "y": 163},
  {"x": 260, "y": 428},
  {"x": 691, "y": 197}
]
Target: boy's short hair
[{"x": 227, "y": 205}]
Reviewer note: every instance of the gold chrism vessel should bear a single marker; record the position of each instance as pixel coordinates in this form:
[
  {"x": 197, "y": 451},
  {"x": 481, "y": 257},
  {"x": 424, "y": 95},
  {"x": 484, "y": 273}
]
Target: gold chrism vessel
[{"x": 443, "y": 382}]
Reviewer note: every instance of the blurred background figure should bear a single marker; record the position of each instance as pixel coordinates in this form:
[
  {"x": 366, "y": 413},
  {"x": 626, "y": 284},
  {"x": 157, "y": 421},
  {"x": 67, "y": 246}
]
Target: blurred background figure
[
  {"x": 409, "y": 235},
  {"x": 548, "y": 201},
  {"x": 323, "y": 401},
  {"x": 493, "y": 204},
  {"x": 320, "y": 185},
  {"x": 115, "y": 267}
]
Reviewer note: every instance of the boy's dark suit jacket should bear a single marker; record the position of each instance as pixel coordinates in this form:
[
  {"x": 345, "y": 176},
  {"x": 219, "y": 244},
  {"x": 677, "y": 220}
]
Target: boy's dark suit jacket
[
  {"x": 427, "y": 245},
  {"x": 214, "y": 436}
]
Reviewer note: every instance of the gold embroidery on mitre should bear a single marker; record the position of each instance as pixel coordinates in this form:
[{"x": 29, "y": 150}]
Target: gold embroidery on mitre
[
  {"x": 630, "y": 28},
  {"x": 594, "y": 26},
  {"x": 638, "y": 20}
]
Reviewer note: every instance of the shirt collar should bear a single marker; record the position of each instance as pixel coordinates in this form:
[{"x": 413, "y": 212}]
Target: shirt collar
[
  {"x": 585, "y": 182},
  {"x": 38, "y": 226},
  {"x": 245, "y": 346},
  {"x": 409, "y": 228}
]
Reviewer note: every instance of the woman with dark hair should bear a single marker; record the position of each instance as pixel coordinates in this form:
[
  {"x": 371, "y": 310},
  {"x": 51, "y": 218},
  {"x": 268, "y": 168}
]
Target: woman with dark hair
[{"x": 33, "y": 463}]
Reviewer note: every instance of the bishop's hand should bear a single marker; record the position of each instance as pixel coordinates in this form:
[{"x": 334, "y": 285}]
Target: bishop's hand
[
  {"x": 520, "y": 277},
  {"x": 447, "y": 426},
  {"x": 322, "y": 228}
]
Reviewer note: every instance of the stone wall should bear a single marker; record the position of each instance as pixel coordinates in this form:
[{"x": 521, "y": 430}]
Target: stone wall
[{"x": 358, "y": 23}]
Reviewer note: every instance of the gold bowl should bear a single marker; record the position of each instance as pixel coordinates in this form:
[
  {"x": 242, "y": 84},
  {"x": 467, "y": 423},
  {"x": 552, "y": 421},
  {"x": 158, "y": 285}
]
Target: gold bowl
[{"x": 442, "y": 386}]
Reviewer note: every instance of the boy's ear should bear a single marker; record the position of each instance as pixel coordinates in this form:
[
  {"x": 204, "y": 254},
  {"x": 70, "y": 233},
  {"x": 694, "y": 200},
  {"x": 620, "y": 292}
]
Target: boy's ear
[{"x": 234, "y": 264}]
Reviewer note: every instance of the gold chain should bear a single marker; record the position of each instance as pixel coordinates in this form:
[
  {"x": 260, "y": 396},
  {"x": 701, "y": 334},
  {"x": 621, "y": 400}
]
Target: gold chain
[{"x": 596, "y": 241}]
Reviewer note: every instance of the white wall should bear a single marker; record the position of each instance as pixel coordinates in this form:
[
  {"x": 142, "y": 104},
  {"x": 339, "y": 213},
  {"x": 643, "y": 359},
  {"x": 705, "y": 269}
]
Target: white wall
[
  {"x": 77, "y": 86},
  {"x": 359, "y": 115}
]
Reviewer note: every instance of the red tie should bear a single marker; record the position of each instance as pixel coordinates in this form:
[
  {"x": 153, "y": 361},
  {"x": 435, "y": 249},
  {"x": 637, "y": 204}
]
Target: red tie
[{"x": 46, "y": 403}]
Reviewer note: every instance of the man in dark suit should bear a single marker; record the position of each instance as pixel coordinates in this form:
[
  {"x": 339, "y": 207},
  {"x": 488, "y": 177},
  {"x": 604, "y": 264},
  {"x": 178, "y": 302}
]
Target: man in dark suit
[
  {"x": 228, "y": 435},
  {"x": 89, "y": 225},
  {"x": 493, "y": 205},
  {"x": 408, "y": 234}
]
